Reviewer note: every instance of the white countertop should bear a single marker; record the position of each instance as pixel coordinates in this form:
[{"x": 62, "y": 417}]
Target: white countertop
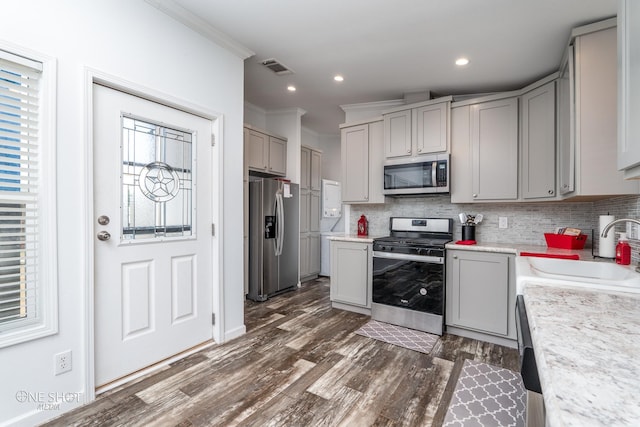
[
  {"x": 587, "y": 345},
  {"x": 517, "y": 248},
  {"x": 346, "y": 237},
  {"x": 587, "y": 348}
]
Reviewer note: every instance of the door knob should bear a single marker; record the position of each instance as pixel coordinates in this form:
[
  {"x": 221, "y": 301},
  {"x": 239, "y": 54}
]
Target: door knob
[
  {"x": 104, "y": 236},
  {"x": 103, "y": 220}
]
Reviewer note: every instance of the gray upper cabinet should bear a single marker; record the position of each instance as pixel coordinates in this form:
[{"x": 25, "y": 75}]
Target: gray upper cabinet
[
  {"x": 566, "y": 126},
  {"x": 538, "y": 142},
  {"x": 593, "y": 115},
  {"x": 362, "y": 162},
  {"x": 421, "y": 129},
  {"x": 484, "y": 149},
  {"x": 494, "y": 150},
  {"x": 629, "y": 88},
  {"x": 265, "y": 153},
  {"x": 397, "y": 134}
]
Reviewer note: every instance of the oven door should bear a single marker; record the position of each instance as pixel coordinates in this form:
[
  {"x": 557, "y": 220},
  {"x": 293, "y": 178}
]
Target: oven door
[{"x": 409, "y": 281}]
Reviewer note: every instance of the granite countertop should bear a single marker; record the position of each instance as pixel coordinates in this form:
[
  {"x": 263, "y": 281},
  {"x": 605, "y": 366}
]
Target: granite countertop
[
  {"x": 587, "y": 345},
  {"x": 517, "y": 248},
  {"x": 346, "y": 237}
]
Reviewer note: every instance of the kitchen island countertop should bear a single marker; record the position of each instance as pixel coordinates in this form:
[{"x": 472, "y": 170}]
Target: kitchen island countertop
[{"x": 587, "y": 348}]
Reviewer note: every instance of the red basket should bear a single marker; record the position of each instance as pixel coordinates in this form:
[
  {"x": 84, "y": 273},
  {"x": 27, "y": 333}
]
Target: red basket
[{"x": 562, "y": 241}]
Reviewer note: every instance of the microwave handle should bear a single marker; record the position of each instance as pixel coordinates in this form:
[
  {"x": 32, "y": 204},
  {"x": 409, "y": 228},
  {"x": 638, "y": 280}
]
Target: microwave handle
[{"x": 434, "y": 176}]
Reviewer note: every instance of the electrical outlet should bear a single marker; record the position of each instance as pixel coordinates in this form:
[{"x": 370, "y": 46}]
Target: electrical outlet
[
  {"x": 503, "y": 222},
  {"x": 632, "y": 231},
  {"x": 62, "y": 362}
]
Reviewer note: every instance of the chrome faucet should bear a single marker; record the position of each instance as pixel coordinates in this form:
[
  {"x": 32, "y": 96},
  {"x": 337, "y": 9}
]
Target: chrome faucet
[{"x": 617, "y": 221}]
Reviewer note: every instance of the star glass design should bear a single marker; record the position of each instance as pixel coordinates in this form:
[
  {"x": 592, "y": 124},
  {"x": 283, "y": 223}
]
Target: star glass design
[{"x": 159, "y": 182}]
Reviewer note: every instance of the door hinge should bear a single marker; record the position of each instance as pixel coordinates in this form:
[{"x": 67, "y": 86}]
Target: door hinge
[
  {"x": 213, "y": 229},
  {"x": 213, "y": 318},
  {"x": 213, "y": 140}
]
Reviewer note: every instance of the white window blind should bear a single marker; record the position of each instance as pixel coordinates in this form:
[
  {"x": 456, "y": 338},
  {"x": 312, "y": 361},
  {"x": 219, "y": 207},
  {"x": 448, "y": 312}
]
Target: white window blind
[{"x": 20, "y": 284}]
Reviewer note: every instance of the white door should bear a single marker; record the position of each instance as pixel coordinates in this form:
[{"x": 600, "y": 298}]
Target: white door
[{"x": 152, "y": 232}]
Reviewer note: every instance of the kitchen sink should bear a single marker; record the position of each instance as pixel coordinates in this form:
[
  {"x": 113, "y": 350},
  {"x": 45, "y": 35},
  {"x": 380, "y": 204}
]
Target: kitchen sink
[{"x": 589, "y": 274}]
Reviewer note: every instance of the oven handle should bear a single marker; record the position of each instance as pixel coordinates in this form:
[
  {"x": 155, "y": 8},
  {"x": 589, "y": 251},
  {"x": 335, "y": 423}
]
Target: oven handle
[{"x": 409, "y": 257}]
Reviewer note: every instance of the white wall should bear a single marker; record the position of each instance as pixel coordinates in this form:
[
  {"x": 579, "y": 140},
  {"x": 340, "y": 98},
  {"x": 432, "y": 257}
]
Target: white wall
[
  {"x": 287, "y": 123},
  {"x": 135, "y": 42}
]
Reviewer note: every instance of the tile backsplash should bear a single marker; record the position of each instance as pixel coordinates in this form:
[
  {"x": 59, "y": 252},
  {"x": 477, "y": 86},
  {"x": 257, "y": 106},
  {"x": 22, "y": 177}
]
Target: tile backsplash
[{"x": 526, "y": 221}]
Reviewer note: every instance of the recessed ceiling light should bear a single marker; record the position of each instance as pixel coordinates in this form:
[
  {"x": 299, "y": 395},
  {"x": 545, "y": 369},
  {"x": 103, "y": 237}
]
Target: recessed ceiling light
[
  {"x": 462, "y": 61},
  {"x": 291, "y": 88},
  {"x": 338, "y": 78}
]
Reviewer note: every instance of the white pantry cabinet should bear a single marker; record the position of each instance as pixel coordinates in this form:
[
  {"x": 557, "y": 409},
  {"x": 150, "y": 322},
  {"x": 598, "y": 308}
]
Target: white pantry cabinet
[
  {"x": 629, "y": 88},
  {"x": 417, "y": 129},
  {"x": 362, "y": 162},
  {"x": 310, "y": 179},
  {"x": 351, "y": 266},
  {"x": 480, "y": 293}
]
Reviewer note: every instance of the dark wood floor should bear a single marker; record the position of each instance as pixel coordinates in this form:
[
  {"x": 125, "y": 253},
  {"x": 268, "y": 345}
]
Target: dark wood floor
[{"x": 300, "y": 364}]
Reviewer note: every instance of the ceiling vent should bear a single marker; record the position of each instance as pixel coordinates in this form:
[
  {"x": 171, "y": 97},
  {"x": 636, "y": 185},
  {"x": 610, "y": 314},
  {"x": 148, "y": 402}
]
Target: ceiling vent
[{"x": 277, "y": 67}]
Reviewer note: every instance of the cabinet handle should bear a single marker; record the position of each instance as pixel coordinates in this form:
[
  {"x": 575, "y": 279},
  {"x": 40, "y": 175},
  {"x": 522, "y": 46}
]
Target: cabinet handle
[
  {"x": 409, "y": 151},
  {"x": 455, "y": 257},
  {"x": 475, "y": 195},
  {"x": 366, "y": 197},
  {"x": 550, "y": 191},
  {"x": 419, "y": 150}
]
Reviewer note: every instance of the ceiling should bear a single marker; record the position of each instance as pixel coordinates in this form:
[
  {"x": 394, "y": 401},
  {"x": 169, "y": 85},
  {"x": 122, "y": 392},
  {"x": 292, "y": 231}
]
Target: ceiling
[{"x": 388, "y": 48}]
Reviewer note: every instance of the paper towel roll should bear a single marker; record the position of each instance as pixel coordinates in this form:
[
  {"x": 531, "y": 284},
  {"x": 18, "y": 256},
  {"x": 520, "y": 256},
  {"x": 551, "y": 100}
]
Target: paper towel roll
[{"x": 607, "y": 244}]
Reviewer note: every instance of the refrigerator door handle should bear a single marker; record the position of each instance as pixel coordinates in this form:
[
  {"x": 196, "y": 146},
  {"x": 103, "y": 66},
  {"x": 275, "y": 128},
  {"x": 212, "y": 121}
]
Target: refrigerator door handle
[{"x": 279, "y": 223}]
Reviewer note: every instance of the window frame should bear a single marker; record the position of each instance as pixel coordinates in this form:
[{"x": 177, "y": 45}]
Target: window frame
[{"x": 45, "y": 322}]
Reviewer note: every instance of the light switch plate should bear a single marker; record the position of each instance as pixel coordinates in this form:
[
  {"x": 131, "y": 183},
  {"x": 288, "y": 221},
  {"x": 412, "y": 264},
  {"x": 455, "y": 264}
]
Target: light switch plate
[{"x": 503, "y": 222}]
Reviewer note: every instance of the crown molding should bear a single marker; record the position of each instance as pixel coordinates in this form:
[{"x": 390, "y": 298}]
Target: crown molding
[{"x": 182, "y": 15}]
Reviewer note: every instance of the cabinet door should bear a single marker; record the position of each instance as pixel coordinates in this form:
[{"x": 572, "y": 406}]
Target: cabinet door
[
  {"x": 355, "y": 163},
  {"x": 397, "y": 134},
  {"x": 314, "y": 212},
  {"x": 566, "y": 127},
  {"x": 349, "y": 273},
  {"x": 432, "y": 128},
  {"x": 305, "y": 168},
  {"x": 277, "y": 156},
  {"x": 538, "y": 119},
  {"x": 305, "y": 202},
  {"x": 494, "y": 150},
  {"x": 256, "y": 150},
  {"x": 304, "y": 255},
  {"x": 315, "y": 176},
  {"x": 628, "y": 85},
  {"x": 478, "y": 291},
  {"x": 314, "y": 254}
]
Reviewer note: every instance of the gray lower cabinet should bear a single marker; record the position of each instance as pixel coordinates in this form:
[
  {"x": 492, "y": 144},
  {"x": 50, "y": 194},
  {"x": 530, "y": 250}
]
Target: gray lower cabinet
[
  {"x": 351, "y": 264},
  {"x": 480, "y": 292}
]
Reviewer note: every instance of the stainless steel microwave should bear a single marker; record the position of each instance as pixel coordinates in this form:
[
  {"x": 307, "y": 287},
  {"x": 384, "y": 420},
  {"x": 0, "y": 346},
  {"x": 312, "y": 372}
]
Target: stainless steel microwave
[{"x": 418, "y": 175}]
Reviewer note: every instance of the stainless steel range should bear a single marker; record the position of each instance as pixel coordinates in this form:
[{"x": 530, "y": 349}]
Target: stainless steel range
[{"x": 408, "y": 273}]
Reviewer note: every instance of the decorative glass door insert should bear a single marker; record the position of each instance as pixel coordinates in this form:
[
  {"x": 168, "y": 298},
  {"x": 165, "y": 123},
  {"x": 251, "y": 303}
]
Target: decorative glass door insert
[{"x": 157, "y": 181}]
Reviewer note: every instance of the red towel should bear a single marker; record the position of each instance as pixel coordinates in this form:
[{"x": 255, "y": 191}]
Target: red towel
[
  {"x": 466, "y": 242},
  {"x": 543, "y": 255}
]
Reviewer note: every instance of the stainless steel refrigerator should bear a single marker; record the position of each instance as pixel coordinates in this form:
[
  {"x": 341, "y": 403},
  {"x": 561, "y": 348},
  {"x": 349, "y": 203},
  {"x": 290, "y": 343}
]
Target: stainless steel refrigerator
[{"x": 274, "y": 237}]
